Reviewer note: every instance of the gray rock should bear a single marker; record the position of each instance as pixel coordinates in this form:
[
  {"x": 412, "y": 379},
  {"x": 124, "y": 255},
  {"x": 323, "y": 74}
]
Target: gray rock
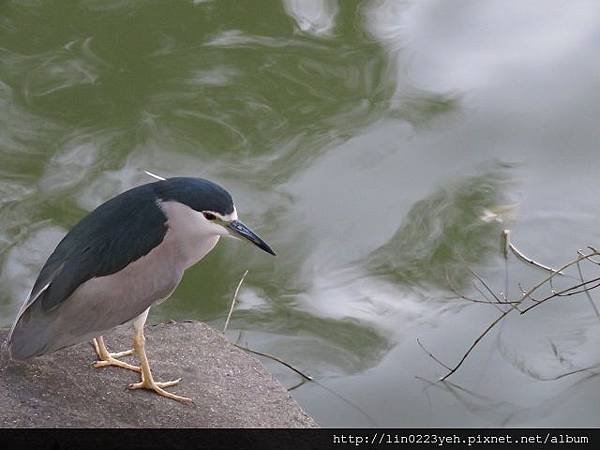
[{"x": 229, "y": 387}]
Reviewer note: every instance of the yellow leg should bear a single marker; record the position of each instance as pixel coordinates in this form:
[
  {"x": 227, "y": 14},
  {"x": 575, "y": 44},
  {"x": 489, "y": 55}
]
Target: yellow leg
[
  {"x": 147, "y": 379},
  {"x": 107, "y": 359}
]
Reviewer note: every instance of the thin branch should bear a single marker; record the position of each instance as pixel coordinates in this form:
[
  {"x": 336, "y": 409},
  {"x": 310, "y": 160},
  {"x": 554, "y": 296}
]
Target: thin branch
[
  {"x": 581, "y": 291},
  {"x": 486, "y": 292},
  {"x": 519, "y": 254},
  {"x": 481, "y": 336},
  {"x": 556, "y": 293},
  {"x": 548, "y": 278},
  {"x": 573, "y": 372},
  {"x": 455, "y": 291},
  {"x": 432, "y": 356},
  {"x": 591, "y": 259},
  {"x": 297, "y": 385},
  {"x": 564, "y": 291},
  {"x": 462, "y": 296},
  {"x": 482, "y": 281},
  {"x": 523, "y": 292},
  {"x": 487, "y": 300},
  {"x": 551, "y": 282},
  {"x": 233, "y": 301},
  {"x": 347, "y": 401},
  {"x": 275, "y": 358},
  {"x": 506, "y": 278},
  {"x": 266, "y": 355},
  {"x": 587, "y": 291},
  {"x": 485, "y": 285},
  {"x": 474, "y": 300}
]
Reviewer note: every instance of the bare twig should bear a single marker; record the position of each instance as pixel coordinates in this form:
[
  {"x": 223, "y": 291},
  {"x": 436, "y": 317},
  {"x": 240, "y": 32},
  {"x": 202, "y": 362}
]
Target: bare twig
[
  {"x": 569, "y": 293},
  {"x": 523, "y": 292},
  {"x": 474, "y": 300},
  {"x": 479, "y": 338},
  {"x": 458, "y": 295},
  {"x": 347, "y": 401},
  {"x": 551, "y": 282},
  {"x": 506, "y": 278},
  {"x": 587, "y": 292},
  {"x": 591, "y": 259},
  {"x": 462, "y": 296},
  {"x": 455, "y": 291},
  {"x": 297, "y": 385},
  {"x": 564, "y": 293},
  {"x": 548, "y": 278},
  {"x": 485, "y": 285},
  {"x": 432, "y": 356},
  {"x": 487, "y": 300},
  {"x": 519, "y": 254},
  {"x": 489, "y": 296},
  {"x": 275, "y": 358},
  {"x": 573, "y": 372},
  {"x": 266, "y": 355},
  {"x": 233, "y": 301},
  {"x": 581, "y": 291}
]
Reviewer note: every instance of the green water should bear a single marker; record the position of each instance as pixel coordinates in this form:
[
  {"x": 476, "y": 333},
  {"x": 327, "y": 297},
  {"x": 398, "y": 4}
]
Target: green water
[{"x": 370, "y": 143}]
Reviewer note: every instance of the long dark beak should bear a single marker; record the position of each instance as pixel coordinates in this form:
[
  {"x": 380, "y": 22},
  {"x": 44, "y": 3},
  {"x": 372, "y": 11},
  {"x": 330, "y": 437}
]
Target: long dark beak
[{"x": 240, "y": 230}]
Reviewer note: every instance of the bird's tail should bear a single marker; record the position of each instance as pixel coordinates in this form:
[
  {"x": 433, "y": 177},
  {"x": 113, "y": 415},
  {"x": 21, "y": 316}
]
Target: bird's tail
[
  {"x": 30, "y": 335},
  {"x": 4, "y": 353}
]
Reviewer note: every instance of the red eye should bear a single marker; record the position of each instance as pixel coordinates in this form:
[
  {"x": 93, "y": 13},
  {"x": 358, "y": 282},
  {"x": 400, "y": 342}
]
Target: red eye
[{"x": 209, "y": 216}]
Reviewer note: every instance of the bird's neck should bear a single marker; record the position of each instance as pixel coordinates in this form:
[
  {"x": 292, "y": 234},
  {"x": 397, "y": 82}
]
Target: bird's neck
[{"x": 186, "y": 235}]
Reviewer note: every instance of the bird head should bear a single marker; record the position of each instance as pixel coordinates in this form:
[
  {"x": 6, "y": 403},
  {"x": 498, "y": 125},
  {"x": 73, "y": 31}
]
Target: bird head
[{"x": 212, "y": 208}]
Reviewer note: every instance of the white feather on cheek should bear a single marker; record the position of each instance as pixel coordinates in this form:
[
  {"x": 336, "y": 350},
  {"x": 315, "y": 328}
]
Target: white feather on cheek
[{"x": 194, "y": 235}]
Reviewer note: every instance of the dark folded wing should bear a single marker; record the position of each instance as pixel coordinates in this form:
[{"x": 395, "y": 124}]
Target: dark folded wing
[{"x": 112, "y": 236}]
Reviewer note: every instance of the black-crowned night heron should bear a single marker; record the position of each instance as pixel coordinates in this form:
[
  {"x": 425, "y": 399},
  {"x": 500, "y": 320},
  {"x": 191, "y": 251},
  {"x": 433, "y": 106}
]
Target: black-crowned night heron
[{"x": 125, "y": 256}]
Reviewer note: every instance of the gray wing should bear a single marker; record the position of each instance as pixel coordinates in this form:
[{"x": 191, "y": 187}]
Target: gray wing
[{"x": 111, "y": 237}]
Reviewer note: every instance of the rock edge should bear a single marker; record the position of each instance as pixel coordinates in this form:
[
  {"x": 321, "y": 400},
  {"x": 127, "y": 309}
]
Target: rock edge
[{"x": 229, "y": 387}]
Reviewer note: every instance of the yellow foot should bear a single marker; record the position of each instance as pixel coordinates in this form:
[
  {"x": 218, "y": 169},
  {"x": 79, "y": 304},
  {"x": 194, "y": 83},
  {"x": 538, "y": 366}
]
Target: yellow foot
[
  {"x": 120, "y": 354},
  {"x": 110, "y": 359},
  {"x": 157, "y": 386}
]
